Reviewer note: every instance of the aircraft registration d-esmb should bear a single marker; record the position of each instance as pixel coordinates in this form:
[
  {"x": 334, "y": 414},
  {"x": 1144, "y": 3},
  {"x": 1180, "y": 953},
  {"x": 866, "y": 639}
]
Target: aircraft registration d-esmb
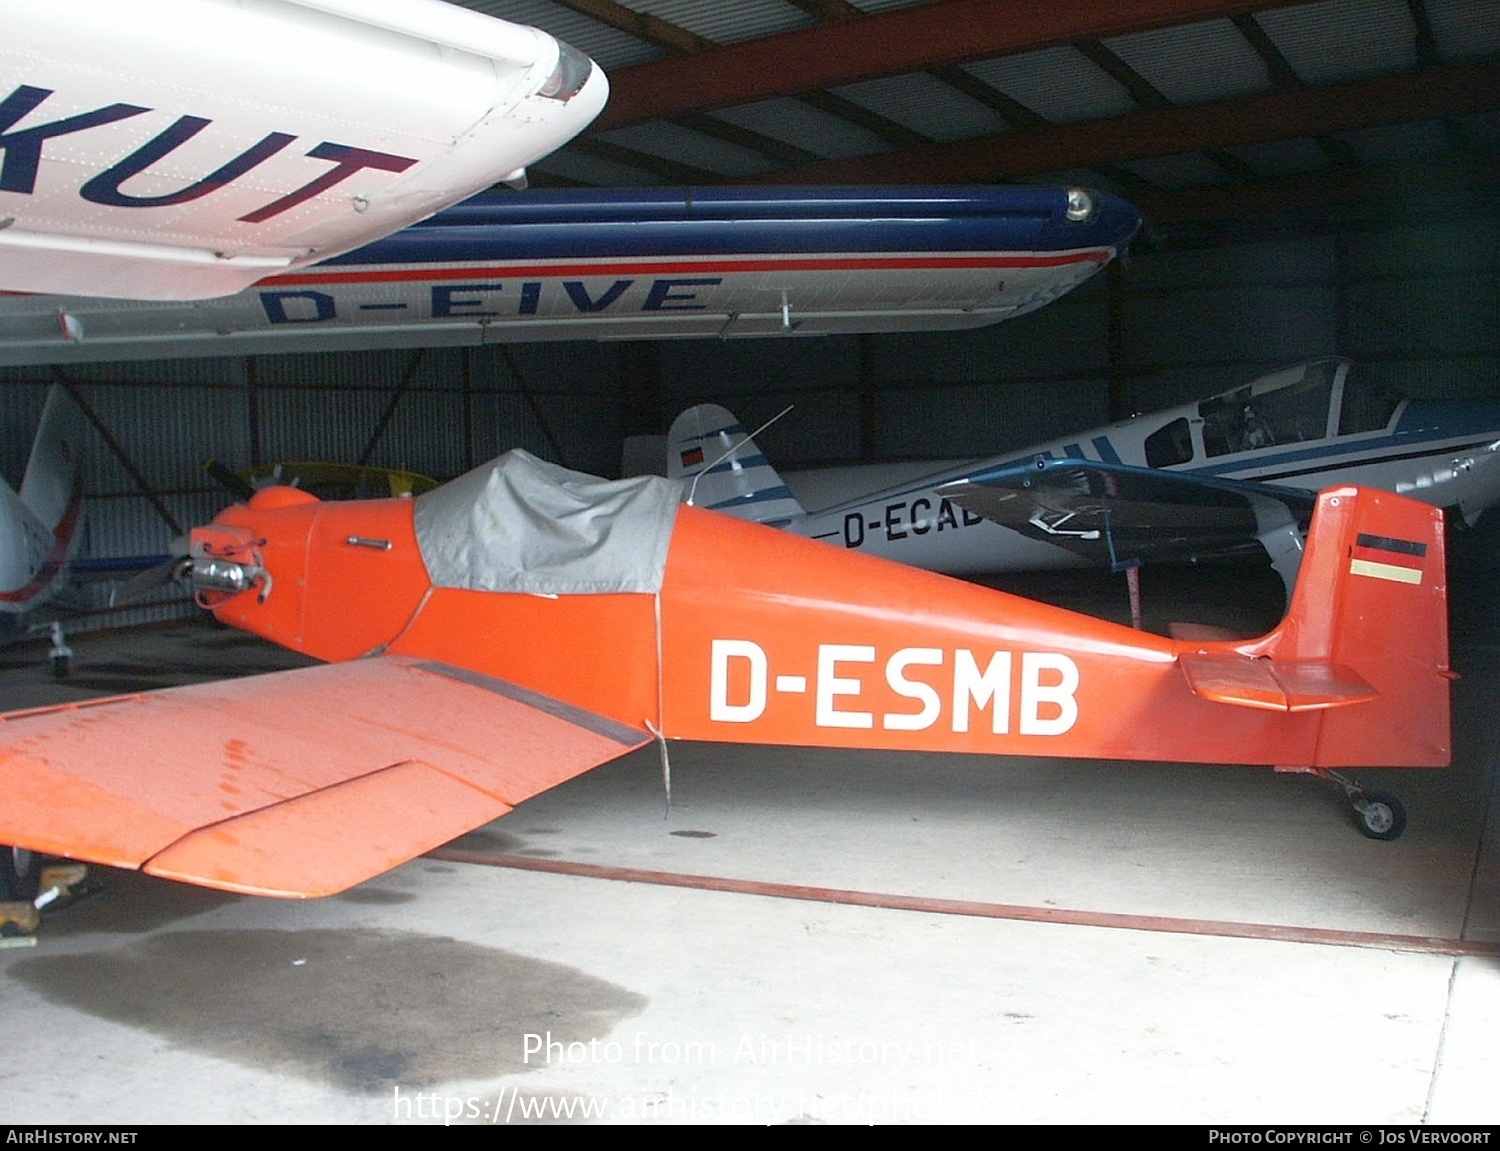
[
  {"x": 524, "y": 624},
  {"x": 1226, "y": 476}
]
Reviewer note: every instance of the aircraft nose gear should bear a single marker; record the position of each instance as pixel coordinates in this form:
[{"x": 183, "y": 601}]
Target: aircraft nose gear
[{"x": 1381, "y": 815}]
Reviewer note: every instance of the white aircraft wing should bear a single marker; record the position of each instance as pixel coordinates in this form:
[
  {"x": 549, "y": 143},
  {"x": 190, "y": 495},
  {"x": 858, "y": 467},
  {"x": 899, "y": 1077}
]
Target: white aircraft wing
[
  {"x": 1120, "y": 516},
  {"x": 184, "y": 149}
]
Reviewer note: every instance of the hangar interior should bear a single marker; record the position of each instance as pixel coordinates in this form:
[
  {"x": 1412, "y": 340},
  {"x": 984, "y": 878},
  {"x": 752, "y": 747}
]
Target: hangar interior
[
  {"x": 1323, "y": 208},
  {"x": 1317, "y": 179},
  {"x": 1413, "y": 305}
]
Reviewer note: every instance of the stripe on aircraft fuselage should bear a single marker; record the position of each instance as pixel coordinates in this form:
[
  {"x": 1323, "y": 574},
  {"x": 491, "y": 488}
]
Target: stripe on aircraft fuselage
[
  {"x": 1347, "y": 456},
  {"x": 329, "y": 274}
]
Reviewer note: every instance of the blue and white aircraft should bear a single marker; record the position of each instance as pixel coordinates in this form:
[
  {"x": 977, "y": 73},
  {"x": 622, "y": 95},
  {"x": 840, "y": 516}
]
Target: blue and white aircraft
[
  {"x": 1228, "y": 475},
  {"x": 633, "y": 264},
  {"x": 41, "y": 522},
  {"x": 210, "y": 177}
]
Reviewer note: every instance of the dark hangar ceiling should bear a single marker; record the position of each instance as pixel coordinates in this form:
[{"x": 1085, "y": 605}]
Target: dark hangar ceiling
[{"x": 1213, "y": 117}]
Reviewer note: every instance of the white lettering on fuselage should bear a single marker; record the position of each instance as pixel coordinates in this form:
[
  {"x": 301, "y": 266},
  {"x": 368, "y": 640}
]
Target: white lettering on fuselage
[{"x": 1045, "y": 689}]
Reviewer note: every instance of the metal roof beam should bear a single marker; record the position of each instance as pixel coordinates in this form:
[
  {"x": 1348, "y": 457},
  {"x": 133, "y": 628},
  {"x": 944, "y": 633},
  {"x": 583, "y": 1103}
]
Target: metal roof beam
[
  {"x": 1145, "y": 94},
  {"x": 1426, "y": 94},
  {"x": 1017, "y": 113},
  {"x": 1284, "y": 76},
  {"x": 645, "y": 27},
  {"x": 1277, "y": 66},
  {"x": 674, "y": 38},
  {"x": 778, "y": 150},
  {"x": 669, "y": 170},
  {"x": 913, "y": 39},
  {"x": 894, "y": 134},
  {"x": 827, "y": 9}
]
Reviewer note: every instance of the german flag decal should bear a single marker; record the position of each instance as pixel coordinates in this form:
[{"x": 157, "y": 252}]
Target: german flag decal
[{"x": 1382, "y": 557}]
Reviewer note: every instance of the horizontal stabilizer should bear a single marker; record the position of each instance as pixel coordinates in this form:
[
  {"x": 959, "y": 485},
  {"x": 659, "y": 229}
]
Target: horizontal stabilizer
[
  {"x": 299, "y": 783},
  {"x": 1277, "y": 685}
]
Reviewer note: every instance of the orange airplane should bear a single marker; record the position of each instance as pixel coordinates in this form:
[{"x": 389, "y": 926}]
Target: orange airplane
[{"x": 523, "y": 624}]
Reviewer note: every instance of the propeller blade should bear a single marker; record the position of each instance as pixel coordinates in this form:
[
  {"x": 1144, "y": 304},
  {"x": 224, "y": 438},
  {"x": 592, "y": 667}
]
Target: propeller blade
[
  {"x": 145, "y": 583},
  {"x": 238, "y": 486}
]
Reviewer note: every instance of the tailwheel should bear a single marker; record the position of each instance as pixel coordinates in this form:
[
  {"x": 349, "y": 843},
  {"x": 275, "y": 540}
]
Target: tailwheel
[{"x": 1381, "y": 815}]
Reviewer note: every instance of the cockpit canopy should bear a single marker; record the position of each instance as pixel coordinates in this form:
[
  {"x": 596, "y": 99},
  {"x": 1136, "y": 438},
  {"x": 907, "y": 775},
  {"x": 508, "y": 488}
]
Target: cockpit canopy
[{"x": 1313, "y": 401}]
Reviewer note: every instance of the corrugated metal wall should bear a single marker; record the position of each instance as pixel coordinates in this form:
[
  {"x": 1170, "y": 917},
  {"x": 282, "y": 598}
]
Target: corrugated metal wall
[
  {"x": 1420, "y": 305},
  {"x": 438, "y": 412}
]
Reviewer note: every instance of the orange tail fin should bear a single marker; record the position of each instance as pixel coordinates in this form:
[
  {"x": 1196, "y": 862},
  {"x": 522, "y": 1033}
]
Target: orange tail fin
[{"x": 1371, "y": 604}]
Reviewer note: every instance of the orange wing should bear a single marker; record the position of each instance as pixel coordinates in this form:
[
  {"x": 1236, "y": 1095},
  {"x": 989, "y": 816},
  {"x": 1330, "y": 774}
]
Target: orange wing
[{"x": 298, "y": 783}]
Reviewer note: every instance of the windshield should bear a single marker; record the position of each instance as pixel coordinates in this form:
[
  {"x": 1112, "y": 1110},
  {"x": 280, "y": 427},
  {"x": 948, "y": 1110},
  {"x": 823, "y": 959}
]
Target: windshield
[
  {"x": 1286, "y": 408},
  {"x": 1368, "y": 406}
]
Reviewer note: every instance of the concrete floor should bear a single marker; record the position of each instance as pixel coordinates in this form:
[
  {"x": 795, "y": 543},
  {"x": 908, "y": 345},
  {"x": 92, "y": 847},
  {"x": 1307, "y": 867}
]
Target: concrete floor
[{"x": 449, "y": 990}]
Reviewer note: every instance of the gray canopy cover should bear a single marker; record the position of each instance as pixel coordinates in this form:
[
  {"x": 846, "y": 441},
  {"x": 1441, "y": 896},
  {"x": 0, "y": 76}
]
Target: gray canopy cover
[{"x": 520, "y": 524}]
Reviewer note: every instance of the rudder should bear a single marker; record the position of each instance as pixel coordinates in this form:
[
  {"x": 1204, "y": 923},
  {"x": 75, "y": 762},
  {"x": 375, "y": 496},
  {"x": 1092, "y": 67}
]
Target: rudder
[
  {"x": 1372, "y": 597},
  {"x": 725, "y": 471}
]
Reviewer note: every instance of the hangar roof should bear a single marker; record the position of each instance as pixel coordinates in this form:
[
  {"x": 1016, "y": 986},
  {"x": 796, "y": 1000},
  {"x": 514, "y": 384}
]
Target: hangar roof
[{"x": 1212, "y": 116}]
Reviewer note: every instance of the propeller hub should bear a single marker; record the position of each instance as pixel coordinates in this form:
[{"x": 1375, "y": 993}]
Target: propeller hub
[
  {"x": 215, "y": 575},
  {"x": 223, "y": 561}
]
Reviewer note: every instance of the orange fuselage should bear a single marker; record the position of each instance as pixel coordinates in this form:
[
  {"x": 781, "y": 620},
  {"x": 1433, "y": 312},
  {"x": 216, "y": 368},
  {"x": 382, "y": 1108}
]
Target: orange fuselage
[{"x": 758, "y": 636}]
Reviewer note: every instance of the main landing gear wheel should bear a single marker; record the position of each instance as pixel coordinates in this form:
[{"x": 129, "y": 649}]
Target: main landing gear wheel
[
  {"x": 1381, "y": 815},
  {"x": 20, "y": 874}
]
